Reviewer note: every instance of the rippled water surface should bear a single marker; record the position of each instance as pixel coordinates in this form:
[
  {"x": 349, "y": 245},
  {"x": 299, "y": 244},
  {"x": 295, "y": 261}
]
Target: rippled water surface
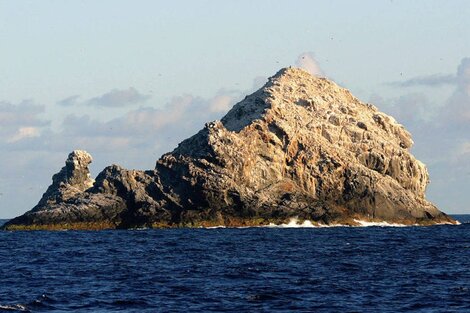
[{"x": 341, "y": 269}]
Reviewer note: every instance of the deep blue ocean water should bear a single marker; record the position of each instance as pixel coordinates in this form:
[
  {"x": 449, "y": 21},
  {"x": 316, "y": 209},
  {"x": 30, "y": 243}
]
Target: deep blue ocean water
[{"x": 340, "y": 269}]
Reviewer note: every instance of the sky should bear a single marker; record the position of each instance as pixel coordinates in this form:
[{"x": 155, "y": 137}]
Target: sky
[{"x": 128, "y": 80}]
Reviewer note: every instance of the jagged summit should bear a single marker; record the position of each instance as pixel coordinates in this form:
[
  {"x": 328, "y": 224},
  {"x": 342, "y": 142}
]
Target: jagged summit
[
  {"x": 292, "y": 72},
  {"x": 287, "y": 85},
  {"x": 300, "y": 146}
]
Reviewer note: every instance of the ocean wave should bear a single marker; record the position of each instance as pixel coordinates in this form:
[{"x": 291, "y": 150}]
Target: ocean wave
[
  {"x": 380, "y": 224},
  {"x": 14, "y": 307},
  {"x": 296, "y": 223}
]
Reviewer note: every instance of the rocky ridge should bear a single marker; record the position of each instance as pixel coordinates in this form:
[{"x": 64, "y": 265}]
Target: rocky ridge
[{"x": 300, "y": 147}]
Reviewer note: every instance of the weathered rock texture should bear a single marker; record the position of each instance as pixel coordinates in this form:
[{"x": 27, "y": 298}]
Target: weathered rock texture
[
  {"x": 299, "y": 147},
  {"x": 73, "y": 179}
]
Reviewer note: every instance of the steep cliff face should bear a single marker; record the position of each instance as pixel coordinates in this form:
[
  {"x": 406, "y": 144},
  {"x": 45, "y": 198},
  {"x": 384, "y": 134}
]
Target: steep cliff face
[{"x": 299, "y": 147}]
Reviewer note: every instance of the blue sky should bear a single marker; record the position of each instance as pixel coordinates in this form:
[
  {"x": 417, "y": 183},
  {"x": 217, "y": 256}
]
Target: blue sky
[{"x": 127, "y": 80}]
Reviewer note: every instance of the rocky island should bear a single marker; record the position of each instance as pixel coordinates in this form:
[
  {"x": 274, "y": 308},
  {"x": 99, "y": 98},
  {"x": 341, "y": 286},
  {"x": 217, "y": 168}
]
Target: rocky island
[{"x": 300, "y": 147}]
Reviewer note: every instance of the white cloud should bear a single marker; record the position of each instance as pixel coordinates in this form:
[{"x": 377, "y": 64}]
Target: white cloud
[
  {"x": 118, "y": 98},
  {"x": 463, "y": 73},
  {"x": 221, "y": 103},
  {"x": 463, "y": 149},
  {"x": 457, "y": 109},
  {"x": 308, "y": 62},
  {"x": 441, "y": 133},
  {"x": 115, "y": 98},
  {"x": 23, "y": 113},
  {"x": 20, "y": 121},
  {"x": 24, "y": 132},
  {"x": 428, "y": 81}
]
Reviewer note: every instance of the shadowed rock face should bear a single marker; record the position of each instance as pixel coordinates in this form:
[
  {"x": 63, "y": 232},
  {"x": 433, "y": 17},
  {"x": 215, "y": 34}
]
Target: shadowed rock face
[{"x": 299, "y": 147}]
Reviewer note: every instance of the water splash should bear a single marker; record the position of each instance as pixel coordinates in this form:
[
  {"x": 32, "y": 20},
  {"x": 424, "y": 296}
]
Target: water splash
[{"x": 294, "y": 223}]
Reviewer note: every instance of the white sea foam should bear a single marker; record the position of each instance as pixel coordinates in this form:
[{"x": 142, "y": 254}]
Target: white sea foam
[
  {"x": 139, "y": 228},
  {"x": 380, "y": 224},
  {"x": 448, "y": 223},
  {"x": 332, "y": 225},
  {"x": 15, "y": 307},
  {"x": 214, "y": 227},
  {"x": 294, "y": 223}
]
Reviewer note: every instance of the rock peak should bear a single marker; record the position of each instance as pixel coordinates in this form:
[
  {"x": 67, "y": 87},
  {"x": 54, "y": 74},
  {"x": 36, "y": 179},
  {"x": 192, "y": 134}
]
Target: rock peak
[
  {"x": 80, "y": 156},
  {"x": 284, "y": 92},
  {"x": 296, "y": 74},
  {"x": 291, "y": 71},
  {"x": 76, "y": 170}
]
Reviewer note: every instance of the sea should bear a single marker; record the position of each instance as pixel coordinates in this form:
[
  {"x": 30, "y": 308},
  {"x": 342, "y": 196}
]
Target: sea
[{"x": 270, "y": 269}]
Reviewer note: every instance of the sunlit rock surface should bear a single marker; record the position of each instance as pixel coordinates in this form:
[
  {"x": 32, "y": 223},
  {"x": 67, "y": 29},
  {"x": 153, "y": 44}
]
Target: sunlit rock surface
[{"x": 300, "y": 147}]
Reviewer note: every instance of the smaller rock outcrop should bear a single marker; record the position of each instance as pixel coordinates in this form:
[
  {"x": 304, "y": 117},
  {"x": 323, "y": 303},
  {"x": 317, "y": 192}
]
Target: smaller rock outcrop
[{"x": 73, "y": 179}]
